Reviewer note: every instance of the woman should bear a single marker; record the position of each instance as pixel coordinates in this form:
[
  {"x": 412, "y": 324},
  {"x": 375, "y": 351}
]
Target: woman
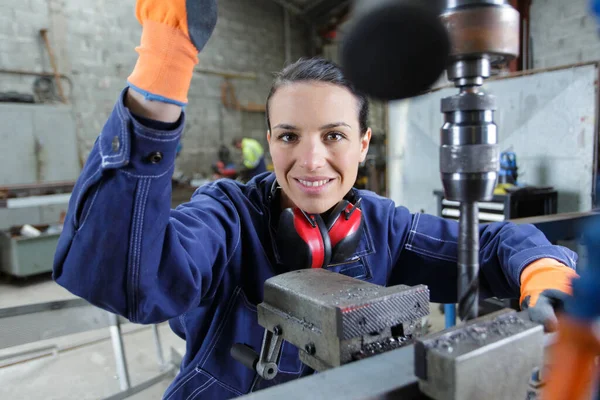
[{"x": 203, "y": 265}]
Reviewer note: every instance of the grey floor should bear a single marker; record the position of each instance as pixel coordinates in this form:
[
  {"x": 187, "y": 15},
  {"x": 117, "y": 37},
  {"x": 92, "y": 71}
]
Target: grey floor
[{"x": 85, "y": 366}]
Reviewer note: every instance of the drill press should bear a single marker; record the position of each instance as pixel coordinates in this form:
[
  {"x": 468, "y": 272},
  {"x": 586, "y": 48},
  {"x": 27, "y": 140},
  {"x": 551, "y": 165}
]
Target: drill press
[
  {"x": 483, "y": 33},
  {"x": 397, "y": 49}
]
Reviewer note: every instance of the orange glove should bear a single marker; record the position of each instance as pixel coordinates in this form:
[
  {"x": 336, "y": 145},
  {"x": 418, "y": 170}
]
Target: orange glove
[
  {"x": 545, "y": 284},
  {"x": 173, "y": 33},
  {"x": 573, "y": 369}
]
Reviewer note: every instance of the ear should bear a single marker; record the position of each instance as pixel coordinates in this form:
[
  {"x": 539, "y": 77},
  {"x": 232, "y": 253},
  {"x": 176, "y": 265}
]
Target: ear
[
  {"x": 364, "y": 144},
  {"x": 269, "y": 137}
]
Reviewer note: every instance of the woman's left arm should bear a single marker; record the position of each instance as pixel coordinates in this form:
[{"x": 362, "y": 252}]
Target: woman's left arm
[{"x": 424, "y": 250}]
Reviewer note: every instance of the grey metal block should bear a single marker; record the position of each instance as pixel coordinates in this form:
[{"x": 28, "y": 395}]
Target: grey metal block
[
  {"x": 491, "y": 357},
  {"x": 332, "y": 317}
]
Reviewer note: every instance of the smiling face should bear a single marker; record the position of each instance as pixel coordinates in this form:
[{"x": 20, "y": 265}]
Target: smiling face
[{"x": 315, "y": 143}]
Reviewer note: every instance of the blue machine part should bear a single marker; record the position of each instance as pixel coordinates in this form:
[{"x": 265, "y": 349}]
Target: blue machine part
[
  {"x": 508, "y": 168},
  {"x": 450, "y": 315}
]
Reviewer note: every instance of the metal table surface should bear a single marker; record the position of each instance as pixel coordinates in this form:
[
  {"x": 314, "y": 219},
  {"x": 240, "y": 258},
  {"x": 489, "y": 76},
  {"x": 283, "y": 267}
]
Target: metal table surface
[{"x": 386, "y": 376}]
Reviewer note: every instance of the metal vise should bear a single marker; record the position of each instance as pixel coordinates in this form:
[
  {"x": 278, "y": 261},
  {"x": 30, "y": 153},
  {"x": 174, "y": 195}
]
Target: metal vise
[
  {"x": 490, "y": 357},
  {"x": 333, "y": 319}
]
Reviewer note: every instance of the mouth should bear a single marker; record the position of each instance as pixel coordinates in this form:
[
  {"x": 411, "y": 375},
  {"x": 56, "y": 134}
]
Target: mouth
[{"x": 313, "y": 185}]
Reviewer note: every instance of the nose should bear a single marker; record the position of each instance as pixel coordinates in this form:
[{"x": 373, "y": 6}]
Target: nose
[{"x": 312, "y": 154}]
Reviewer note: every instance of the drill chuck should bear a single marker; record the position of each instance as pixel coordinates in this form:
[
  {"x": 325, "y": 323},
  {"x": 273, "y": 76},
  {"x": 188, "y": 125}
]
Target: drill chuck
[{"x": 469, "y": 155}]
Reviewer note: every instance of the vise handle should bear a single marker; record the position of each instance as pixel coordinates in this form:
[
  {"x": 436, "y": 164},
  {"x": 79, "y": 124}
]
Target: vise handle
[
  {"x": 245, "y": 354},
  {"x": 264, "y": 364}
]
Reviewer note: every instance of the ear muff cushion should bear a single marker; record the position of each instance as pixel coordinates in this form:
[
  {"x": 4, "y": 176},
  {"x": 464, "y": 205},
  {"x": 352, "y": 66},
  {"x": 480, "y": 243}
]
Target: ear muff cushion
[
  {"x": 299, "y": 243},
  {"x": 293, "y": 250},
  {"x": 326, "y": 241},
  {"x": 345, "y": 229}
]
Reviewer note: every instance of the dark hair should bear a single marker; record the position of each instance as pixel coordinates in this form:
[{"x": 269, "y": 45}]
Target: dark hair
[{"x": 319, "y": 70}]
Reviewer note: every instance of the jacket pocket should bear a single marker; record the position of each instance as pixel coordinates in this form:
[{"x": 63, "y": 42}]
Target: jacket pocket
[
  {"x": 240, "y": 325},
  {"x": 355, "y": 267},
  {"x": 85, "y": 198}
]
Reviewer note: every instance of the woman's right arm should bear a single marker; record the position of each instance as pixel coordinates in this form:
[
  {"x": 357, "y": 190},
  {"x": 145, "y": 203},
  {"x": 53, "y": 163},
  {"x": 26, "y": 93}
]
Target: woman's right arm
[{"x": 122, "y": 248}]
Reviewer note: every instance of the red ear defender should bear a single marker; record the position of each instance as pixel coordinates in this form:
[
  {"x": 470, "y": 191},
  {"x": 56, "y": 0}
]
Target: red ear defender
[
  {"x": 345, "y": 229},
  {"x": 305, "y": 241},
  {"x": 302, "y": 240}
]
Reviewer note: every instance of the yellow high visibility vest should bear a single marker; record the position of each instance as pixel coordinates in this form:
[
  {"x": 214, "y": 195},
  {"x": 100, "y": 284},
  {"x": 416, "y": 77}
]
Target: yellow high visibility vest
[{"x": 252, "y": 152}]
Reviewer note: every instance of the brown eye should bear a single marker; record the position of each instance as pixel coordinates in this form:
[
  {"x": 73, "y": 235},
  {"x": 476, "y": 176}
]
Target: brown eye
[
  {"x": 288, "y": 137},
  {"x": 334, "y": 136}
]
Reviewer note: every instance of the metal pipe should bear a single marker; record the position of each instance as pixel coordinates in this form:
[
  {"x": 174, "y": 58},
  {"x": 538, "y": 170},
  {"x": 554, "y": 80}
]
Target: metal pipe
[
  {"x": 28, "y": 355},
  {"x": 44, "y": 33},
  {"x": 468, "y": 261},
  {"x": 117, "y": 342},
  {"x": 31, "y": 73},
  {"x": 44, "y": 354},
  {"x": 159, "y": 349}
]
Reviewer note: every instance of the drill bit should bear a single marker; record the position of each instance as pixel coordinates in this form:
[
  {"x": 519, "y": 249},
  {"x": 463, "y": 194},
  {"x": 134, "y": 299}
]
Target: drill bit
[{"x": 468, "y": 261}]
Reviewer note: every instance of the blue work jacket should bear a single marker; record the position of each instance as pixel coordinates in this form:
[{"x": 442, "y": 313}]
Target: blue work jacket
[{"x": 202, "y": 266}]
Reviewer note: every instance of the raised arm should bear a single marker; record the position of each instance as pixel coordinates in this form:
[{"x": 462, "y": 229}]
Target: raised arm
[{"x": 122, "y": 248}]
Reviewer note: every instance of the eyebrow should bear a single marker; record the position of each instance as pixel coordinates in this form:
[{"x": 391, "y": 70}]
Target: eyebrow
[
  {"x": 286, "y": 127},
  {"x": 328, "y": 126},
  {"x": 334, "y": 125}
]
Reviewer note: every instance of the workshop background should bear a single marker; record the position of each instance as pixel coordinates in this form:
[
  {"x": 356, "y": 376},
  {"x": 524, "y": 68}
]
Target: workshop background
[{"x": 49, "y": 125}]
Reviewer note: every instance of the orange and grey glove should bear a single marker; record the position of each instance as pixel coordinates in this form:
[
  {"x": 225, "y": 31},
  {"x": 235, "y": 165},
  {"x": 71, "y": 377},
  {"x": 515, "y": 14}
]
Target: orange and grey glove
[
  {"x": 545, "y": 284},
  {"x": 173, "y": 33}
]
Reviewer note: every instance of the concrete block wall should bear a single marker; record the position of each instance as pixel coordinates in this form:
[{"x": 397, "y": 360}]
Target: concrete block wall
[
  {"x": 377, "y": 109},
  {"x": 94, "y": 43},
  {"x": 563, "y": 32}
]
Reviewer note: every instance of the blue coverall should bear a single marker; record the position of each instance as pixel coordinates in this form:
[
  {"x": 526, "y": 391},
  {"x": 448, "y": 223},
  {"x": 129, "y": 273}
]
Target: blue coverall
[{"x": 202, "y": 266}]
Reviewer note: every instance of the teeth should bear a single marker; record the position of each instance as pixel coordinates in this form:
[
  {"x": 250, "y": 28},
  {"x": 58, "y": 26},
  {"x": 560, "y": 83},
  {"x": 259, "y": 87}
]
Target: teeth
[{"x": 313, "y": 184}]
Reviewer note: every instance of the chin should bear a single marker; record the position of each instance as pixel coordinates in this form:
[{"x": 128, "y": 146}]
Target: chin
[
  {"x": 314, "y": 210},
  {"x": 315, "y": 206}
]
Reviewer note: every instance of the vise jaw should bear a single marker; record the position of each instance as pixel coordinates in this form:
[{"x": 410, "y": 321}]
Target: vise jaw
[{"x": 334, "y": 319}]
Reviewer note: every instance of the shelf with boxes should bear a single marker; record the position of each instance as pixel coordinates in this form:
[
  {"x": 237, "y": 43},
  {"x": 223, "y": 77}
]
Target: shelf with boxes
[{"x": 519, "y": 202}]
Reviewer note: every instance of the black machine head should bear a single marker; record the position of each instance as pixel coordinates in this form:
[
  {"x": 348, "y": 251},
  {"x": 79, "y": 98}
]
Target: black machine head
[{"x": 395, "y": 49}]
